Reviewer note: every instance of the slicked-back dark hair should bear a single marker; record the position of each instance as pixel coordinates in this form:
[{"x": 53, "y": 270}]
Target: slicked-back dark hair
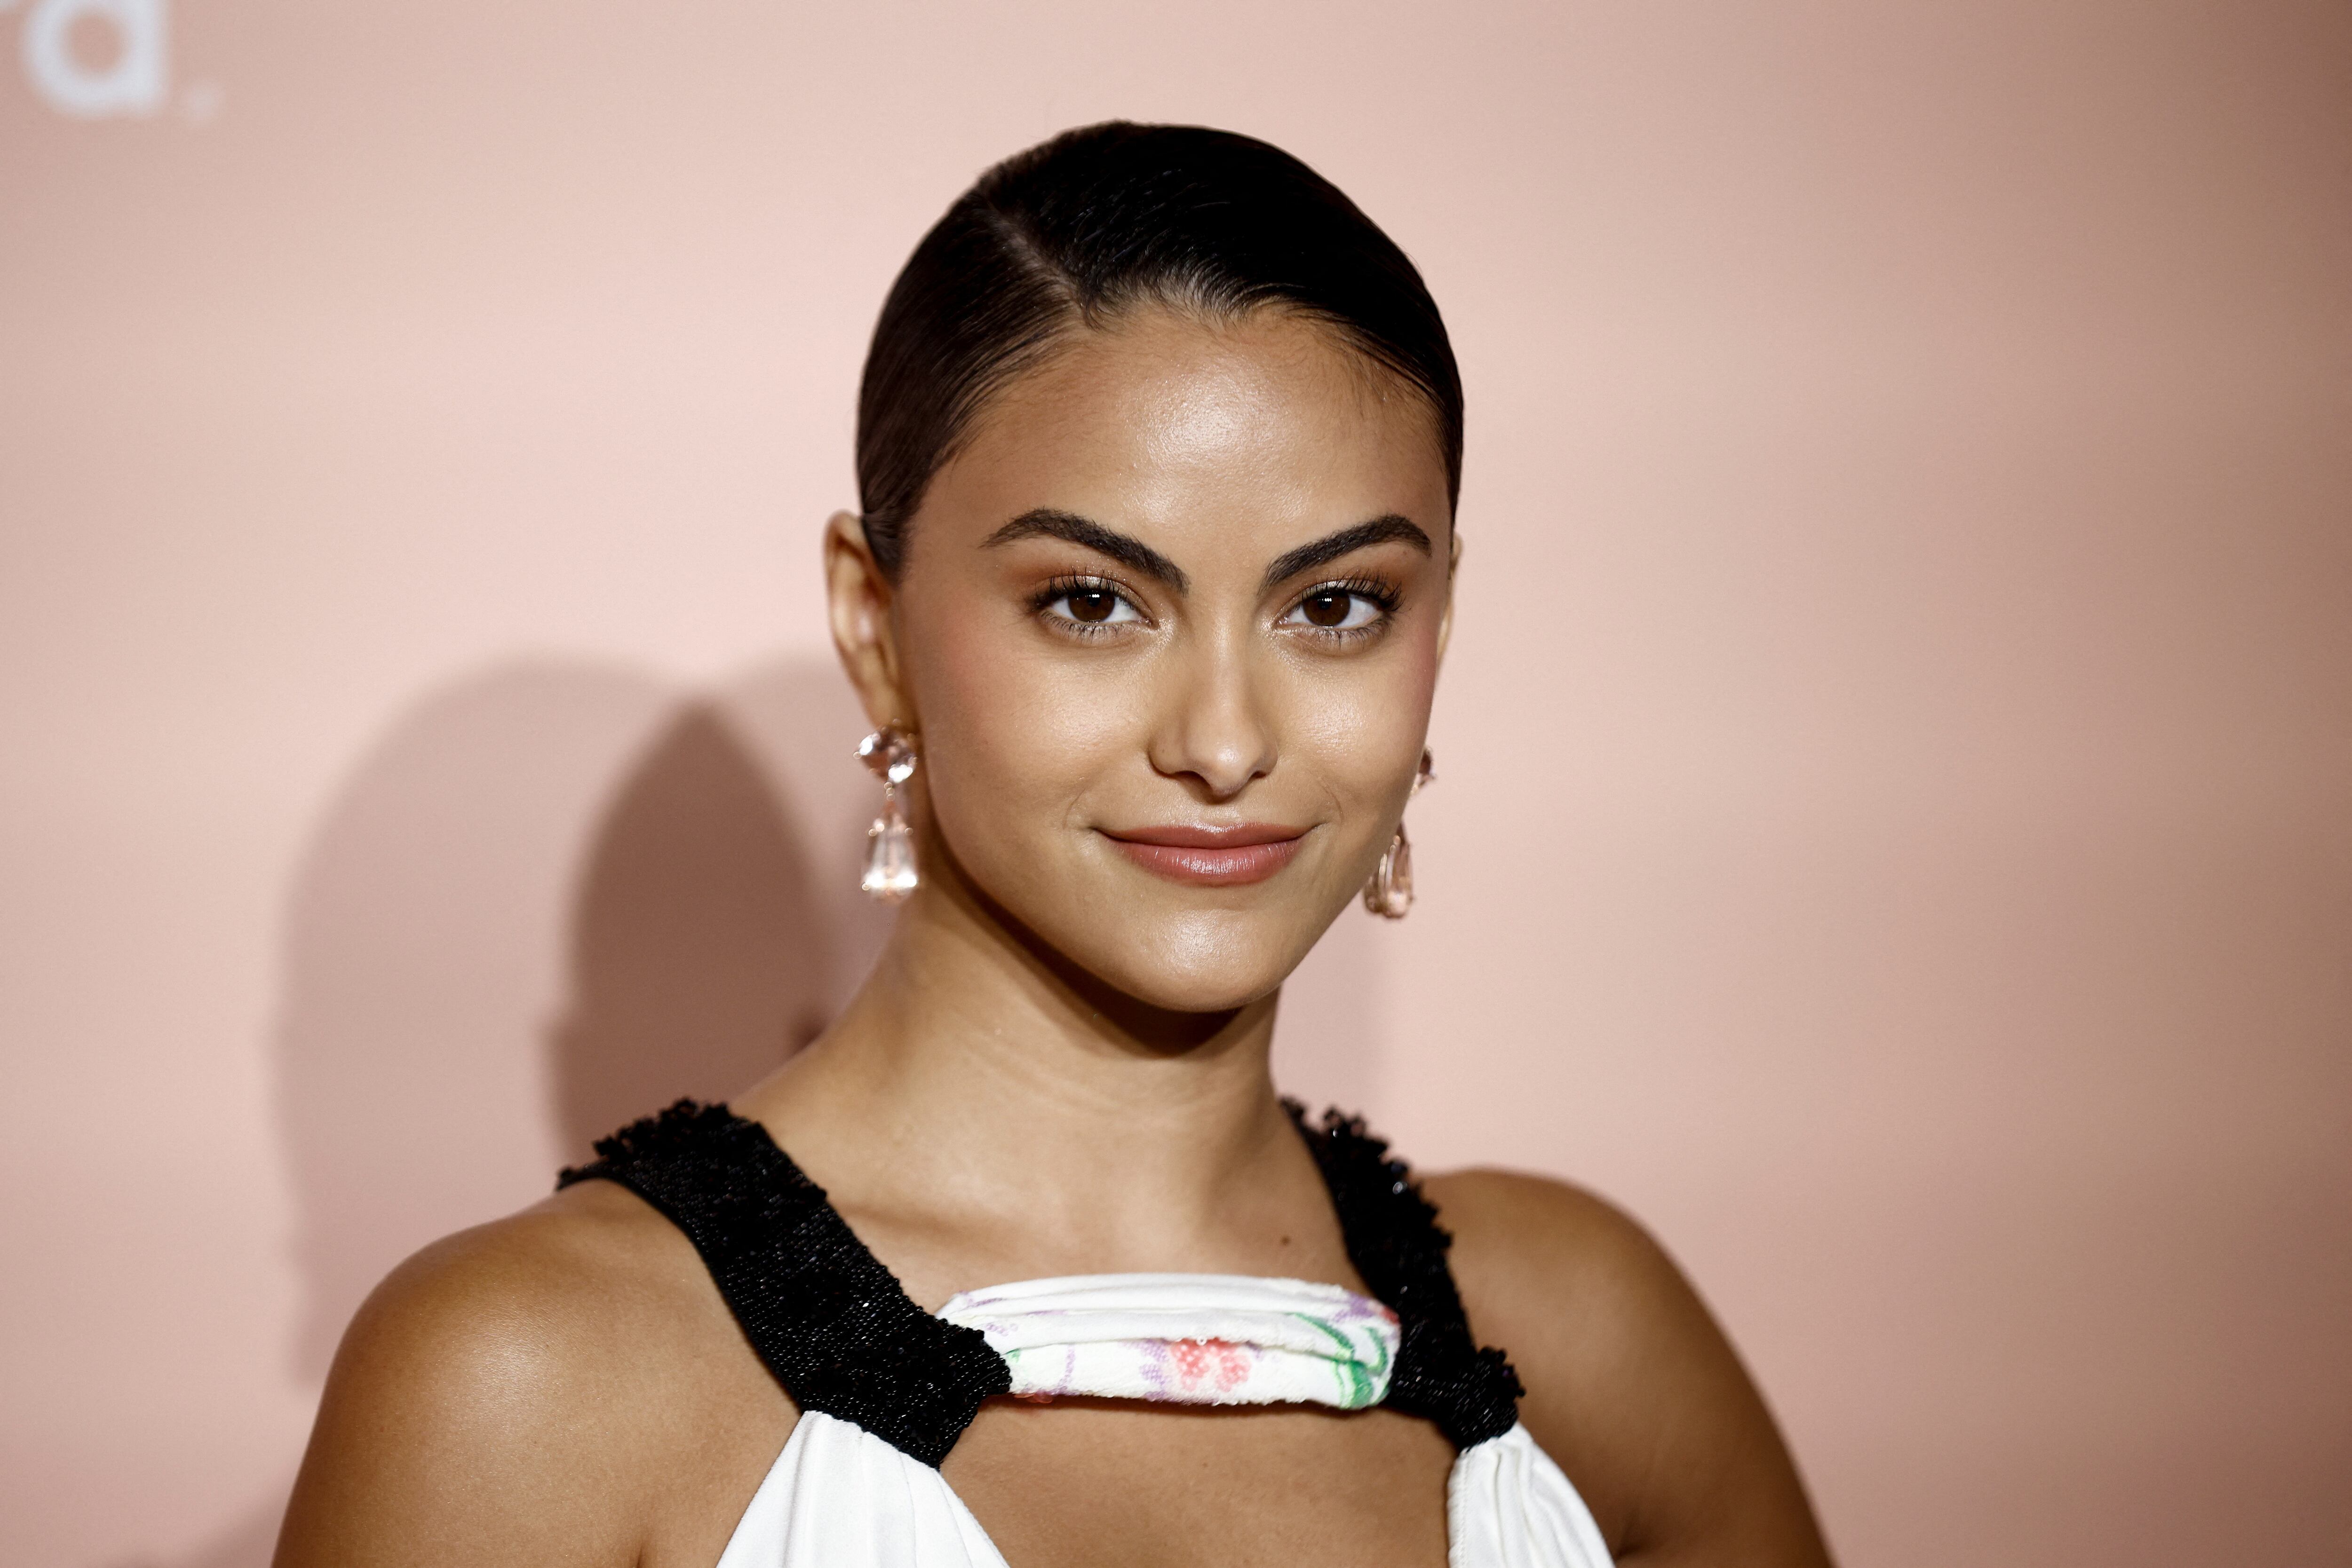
[{"x": 1091, "y": 224}]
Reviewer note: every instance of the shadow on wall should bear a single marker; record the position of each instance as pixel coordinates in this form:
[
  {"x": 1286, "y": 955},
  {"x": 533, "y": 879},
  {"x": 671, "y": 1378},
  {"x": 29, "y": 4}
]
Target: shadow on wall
[
  {"x": 701, "y": 954},
  {"x": 557, "y": 896}
]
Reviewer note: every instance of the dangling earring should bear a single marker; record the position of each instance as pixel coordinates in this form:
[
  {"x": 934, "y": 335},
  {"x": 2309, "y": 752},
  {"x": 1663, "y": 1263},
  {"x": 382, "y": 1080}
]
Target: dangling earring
[
  {"x": 1390, "y": 893},
  {"x": 889, "y": 842}
]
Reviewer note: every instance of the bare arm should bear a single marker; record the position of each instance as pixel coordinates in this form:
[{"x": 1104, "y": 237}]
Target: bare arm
[
  {"x": 562, "y": 1389},
  {"x": 1632, "y": 1387}
]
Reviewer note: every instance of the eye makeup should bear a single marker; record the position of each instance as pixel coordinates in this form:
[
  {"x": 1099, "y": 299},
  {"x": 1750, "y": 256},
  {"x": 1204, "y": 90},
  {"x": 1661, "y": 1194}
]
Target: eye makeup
[
  {"x": 1345, "y": 609},
  {"x": 1341, "y": 609},
  {"x": 1084, "y": 606}
]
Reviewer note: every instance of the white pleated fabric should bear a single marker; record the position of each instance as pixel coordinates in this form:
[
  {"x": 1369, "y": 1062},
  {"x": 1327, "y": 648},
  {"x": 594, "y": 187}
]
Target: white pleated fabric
[
  {"x": 1508, "y": 1506},
  {"x": 839, "y": 1496},
  {"x": 1187, "y": 1339}
]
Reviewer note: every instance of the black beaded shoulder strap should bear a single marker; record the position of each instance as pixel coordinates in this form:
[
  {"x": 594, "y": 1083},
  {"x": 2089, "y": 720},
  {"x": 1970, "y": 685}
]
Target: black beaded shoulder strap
[
  {"x": 1396, "y": 1244},
  {"x": 833, "y": 1324}
]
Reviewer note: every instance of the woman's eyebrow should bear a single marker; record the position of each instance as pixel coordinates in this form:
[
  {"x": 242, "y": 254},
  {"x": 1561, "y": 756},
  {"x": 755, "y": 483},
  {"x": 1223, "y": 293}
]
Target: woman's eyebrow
[
  {"x": 1046, "y": 523},
  {"x": 1331, "y": 546}
]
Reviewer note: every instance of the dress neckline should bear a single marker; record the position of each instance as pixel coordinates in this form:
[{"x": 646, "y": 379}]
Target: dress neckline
[{"x": 839, "y": 1331}]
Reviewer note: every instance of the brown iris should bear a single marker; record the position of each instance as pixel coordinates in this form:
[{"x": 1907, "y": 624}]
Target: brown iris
[
  {"x": 1326, "y": 609},
  {"x": 1092, "y": 604}
]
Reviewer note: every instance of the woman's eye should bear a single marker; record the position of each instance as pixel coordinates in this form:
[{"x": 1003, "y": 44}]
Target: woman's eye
[
  {"x": 1093, "y": 606},
  {"x": 1335, "y": 609}
]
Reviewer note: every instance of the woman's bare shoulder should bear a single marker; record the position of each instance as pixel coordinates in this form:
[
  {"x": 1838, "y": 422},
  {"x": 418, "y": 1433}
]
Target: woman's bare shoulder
[
  {"x": 1536, "y": 1254},
  {"x": 1631, "y": 1386},
  {"x": 564, "y": 1385}
]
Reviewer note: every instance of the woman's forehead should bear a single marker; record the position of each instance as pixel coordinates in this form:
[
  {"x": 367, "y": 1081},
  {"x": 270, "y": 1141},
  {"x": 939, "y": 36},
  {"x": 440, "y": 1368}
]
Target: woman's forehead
[
  {"x": 1181, "y": 367},
  {"x": 1164, "y": 416}
]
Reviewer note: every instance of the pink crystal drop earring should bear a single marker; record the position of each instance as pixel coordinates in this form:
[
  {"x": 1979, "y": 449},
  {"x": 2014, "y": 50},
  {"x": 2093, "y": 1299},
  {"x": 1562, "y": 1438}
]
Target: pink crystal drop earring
[
  {"x": 1390, "y": 893},
  {"x": 889, "y": 842}
]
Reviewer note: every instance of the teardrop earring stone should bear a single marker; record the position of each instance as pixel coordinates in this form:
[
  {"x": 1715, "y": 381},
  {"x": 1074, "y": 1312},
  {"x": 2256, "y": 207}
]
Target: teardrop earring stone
[
  {"x": 1390, "y": 893},
  {"x": 889, "y": 855}
]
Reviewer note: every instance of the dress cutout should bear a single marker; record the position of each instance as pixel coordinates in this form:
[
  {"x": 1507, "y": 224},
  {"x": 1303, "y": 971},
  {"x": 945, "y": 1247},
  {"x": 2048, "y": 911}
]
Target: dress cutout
[{"x": 885, "y": 1389}]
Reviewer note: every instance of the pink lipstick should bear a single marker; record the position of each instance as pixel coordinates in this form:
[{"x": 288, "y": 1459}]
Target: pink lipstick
[{"x": 1210, "y": 857}]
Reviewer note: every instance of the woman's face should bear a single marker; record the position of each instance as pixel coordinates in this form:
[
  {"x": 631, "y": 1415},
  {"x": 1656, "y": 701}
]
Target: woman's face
[{"x": 1168, "y": 630}]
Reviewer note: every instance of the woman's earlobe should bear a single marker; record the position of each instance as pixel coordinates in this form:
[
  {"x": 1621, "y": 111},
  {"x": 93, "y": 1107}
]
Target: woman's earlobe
[{"x": 858, "y": 600}]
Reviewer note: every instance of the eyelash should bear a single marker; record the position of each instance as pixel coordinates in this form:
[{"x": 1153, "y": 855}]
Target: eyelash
[
  {"x": 1063, "y": 586},
  {"x": 1381, "y": 594}
]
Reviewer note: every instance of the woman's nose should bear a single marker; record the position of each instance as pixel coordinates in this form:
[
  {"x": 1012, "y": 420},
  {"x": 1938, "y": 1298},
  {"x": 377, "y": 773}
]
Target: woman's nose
[{"x": 1213, "y": 727}]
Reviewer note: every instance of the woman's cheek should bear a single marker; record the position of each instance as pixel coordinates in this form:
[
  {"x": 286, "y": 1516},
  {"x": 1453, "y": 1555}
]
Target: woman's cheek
[
  {"x": 1363, "y": 726},
  {"x": 1012, "y": 730}
]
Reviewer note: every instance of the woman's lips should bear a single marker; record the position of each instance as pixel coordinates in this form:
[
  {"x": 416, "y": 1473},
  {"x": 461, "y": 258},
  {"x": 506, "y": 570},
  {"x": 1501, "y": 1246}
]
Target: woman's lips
[{"x": 1210, "y": 857}]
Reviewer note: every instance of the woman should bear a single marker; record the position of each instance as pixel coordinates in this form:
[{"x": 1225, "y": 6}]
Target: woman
[{"x": 1159, "y": 446}]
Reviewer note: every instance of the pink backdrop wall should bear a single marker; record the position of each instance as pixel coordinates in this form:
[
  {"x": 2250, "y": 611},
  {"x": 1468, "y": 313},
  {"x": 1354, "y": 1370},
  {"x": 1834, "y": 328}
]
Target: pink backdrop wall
[{"x": 1896, "y": 826}]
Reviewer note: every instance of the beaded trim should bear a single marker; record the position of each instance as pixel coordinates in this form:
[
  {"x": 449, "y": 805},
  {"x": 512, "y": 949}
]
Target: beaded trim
[
  {"x": 1396, "y": 1244},
  {"x": 833, "y": 1324},
  {"x": 839, "y": 1331}
]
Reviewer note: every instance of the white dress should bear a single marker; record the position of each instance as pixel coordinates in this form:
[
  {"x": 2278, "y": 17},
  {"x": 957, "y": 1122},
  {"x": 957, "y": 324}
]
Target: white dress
[
  {"x": 885, "y": 1389},
  {"x": 839, "y": 1496}
]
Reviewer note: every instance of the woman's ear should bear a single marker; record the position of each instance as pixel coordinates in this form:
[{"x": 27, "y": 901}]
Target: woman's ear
[{"x": 859, "y": 598}]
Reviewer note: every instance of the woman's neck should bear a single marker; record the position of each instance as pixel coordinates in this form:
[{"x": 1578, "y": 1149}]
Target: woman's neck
[{"x": 978, "y": 1098}]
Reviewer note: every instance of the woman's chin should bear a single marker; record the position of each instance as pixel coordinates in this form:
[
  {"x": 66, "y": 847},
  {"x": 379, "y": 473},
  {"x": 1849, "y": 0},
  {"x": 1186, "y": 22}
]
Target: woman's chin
[
  {"x": 1201, "y": 966},
  {"x": 1160, "y": 946}
]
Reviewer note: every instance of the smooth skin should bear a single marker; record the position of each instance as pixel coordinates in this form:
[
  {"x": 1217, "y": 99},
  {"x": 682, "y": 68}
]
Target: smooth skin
[{"x": 1184, "y": 572}]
